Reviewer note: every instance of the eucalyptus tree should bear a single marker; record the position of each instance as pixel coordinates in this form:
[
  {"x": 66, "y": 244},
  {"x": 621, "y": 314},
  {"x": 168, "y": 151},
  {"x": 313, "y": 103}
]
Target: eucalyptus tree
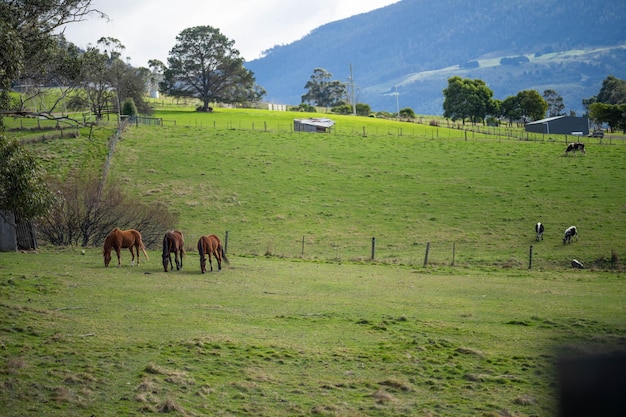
[
  {"x": 323, "y": 90},
  {"x": 205, "y": 64},
  {"x": 555, "y": 102}
]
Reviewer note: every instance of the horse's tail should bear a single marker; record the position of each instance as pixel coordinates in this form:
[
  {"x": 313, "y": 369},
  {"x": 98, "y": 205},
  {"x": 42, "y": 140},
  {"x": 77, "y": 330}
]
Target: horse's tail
[
  {"x": 201, "y": 249},
  {"x": 166, "y": 245},
  {"x": 221, "y": 249},
  {"x": 143, "y": 248}
]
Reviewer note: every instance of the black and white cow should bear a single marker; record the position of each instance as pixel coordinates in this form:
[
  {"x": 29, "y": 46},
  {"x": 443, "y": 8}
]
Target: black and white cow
[
  {"x": 539, "y": 231},
  {"x": 570, "y": 232},
  {"x": 575, "y": 146}
]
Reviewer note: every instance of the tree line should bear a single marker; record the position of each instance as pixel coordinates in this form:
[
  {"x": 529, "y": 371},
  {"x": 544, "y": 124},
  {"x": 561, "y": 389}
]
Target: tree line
[{"x": 472, "y": 100}]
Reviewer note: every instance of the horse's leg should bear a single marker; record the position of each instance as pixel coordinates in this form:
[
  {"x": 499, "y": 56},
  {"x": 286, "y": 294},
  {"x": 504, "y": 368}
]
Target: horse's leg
[
  {"x": 218, "y": 256},
  {"x": 119, "y": 258},
  {"x": 132, "y": 255},
  {"x": 210, "y": 262},
  {"x": 176, "y": 260}
]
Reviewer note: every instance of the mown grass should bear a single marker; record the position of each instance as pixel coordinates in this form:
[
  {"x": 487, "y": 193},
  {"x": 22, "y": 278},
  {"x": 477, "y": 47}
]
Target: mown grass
[{"x": 280, "y": 338}]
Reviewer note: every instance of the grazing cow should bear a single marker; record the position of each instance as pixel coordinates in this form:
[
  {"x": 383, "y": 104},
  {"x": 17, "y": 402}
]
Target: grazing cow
[
  {"x": 539, "y": 231},
  {"x": 570, "y": 232},
  {"x": 575, "y": 146}
]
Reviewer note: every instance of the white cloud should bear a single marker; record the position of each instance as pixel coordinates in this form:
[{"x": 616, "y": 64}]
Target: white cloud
[{"x": 148, "y": 29}]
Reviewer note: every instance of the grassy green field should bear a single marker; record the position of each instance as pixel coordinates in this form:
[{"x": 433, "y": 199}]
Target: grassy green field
[
  {"x": 278, "y": 337},
  {"x": 273, "y": 189},
  {"x": 328, "y": 331}
]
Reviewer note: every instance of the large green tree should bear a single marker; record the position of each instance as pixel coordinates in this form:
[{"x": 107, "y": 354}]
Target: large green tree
[
  {"x": 205, "y": 64},
  {"x": 323, "y": 91},
  {"x": 613, "y": 91},
  {"x": 531, "y": 105},
  {"x": 612, "y": 114},
  {"x": 466, "y": 98}
]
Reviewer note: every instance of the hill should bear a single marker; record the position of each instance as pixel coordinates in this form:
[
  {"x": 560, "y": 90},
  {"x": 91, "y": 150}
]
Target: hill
[{"x": 417, "y": 45}]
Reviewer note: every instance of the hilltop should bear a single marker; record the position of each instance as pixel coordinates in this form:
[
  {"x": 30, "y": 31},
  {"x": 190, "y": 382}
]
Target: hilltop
[{"x": 417, "y": 45}]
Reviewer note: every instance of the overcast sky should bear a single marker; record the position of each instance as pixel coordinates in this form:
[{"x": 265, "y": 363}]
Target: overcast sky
[{"x": 148, "y": 28}]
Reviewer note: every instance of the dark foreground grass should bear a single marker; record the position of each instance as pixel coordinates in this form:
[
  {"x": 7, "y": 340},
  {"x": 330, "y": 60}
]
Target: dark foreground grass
[{"x": 278, "y": 337}]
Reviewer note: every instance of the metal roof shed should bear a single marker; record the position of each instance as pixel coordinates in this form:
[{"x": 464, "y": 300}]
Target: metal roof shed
[
  {"x": 560, "y": 125},
  {"x": 319, "y": 125}
]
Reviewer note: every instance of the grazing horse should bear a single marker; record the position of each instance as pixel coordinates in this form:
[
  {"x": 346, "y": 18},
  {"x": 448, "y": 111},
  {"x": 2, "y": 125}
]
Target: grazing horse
[
  {"x": 539, "y": 231},
  {"x": 119, "y": 239},
  {"x": 173, "y": 241},
  {"x": 211, "y": 245},
  {"x": 575, "y": 146},
  {"x": 570, "y": 232}
]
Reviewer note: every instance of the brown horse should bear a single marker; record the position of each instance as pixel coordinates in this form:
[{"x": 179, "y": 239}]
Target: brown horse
[
  {"x": 173, "y": 241},
  {"x": 119, "y": 239},
  {"x": 211, "y": 245}
]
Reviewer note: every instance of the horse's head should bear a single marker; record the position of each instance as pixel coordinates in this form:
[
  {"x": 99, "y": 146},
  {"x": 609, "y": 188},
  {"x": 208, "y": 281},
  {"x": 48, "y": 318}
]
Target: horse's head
[
  {"x": 107, "y": 256},
  {"x": 165, "y": 262}
]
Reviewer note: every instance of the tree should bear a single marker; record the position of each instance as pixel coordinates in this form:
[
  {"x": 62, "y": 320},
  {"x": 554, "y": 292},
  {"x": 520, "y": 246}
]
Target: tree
[
  {"x": 106, "y": 81},
  {"x": 407, "y": 113},
  {"x": 96, "y": 91},
  {"x": 23, "y": 190},
  {"x": 26, "y": 29},
  {"x": 323, "y": 90},
  {"x": 204, "y": 64},
  {"x": 465, "y": 98},
  {"x": 555, "y": 103},
  {"x": 531, "y": 105},
  {"x": 511, "y": 109},
  {"x": 612, "y": 114},
  {"x": 613, "y": 91}
]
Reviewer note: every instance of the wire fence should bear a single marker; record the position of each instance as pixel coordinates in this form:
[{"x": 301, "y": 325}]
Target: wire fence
[{"x": 443, "y": 130}]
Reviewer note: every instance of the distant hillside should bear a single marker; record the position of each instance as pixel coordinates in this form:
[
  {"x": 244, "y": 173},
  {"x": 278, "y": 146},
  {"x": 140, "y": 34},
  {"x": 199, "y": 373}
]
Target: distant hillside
[{"x": 417, "y": 45}]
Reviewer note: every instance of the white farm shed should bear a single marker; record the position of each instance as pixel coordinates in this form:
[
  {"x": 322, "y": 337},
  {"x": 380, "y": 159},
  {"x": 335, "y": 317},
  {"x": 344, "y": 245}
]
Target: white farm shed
[{"x": 319, "y": 125}]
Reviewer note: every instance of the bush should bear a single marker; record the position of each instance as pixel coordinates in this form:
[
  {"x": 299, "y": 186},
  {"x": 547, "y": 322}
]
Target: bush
[
  {"x": 407, "y": 113},
  {"x": 85, "y": 213},
  {"x": 304, "y": 108},
  {"x": 129, "y": 108}
]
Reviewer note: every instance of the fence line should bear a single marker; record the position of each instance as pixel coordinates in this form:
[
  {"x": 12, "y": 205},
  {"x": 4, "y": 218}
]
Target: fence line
[
  {"x": 407, "y": 130},
  {"x": 418, "y": 255}
]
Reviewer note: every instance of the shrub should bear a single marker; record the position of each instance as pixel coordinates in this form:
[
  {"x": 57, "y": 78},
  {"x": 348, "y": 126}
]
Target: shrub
[
  {"x": 129, "y": 108},
  {"x": 407, "y": 113},
  {"x": 86, "y": 212}
]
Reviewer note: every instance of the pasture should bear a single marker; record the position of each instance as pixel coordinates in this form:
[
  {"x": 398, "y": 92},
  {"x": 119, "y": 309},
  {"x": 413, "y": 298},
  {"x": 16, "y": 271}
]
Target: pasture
[
  {"x": 276, "y": 337},
  {"x": 303, "y": 321},
  {"x": 326, "y": 196}
]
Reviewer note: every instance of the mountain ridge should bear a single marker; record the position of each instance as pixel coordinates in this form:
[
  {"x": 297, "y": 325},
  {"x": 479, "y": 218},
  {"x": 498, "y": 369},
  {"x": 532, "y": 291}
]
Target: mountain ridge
[{"x": 388, "y": 46}]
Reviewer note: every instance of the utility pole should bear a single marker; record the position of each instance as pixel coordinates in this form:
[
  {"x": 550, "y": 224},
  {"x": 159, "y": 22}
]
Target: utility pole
[
  {"x": 397, "y": 102},
  {"x": 352, "y": 98}
]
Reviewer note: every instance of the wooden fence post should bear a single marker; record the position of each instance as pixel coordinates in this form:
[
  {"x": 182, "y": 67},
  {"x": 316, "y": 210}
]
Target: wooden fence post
[
  {"x": 373, "y": 247},
  {"x": 530, "y": 257},
  {"x": 426, "y": 254},
  {"x": 453, "y": 252},
  {"x": 302, "y": 247},
  {"x": 226, "y": 242}
]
